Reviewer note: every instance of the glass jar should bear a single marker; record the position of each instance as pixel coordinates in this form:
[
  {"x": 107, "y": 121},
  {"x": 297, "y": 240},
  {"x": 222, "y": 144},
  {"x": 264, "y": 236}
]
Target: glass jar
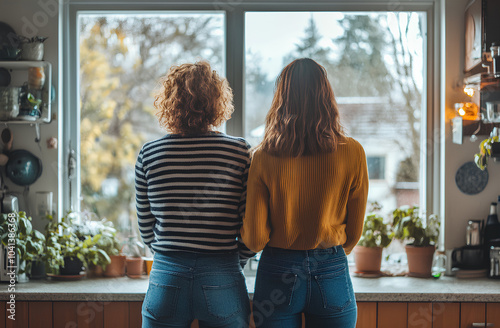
[
  {"x": 439, "y": 264},
  {"x": 495, "y": 56},
  {"x": 132, "y": 248}
]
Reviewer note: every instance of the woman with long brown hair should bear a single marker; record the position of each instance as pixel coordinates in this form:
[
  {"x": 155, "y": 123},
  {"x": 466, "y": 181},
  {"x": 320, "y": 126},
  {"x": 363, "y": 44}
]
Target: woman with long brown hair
[{"x": 306, "y": 200}]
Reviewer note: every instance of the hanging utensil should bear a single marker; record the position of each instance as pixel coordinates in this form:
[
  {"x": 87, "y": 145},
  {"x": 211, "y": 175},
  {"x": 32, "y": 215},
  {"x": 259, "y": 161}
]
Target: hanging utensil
[{"x": 7, "y": 139}]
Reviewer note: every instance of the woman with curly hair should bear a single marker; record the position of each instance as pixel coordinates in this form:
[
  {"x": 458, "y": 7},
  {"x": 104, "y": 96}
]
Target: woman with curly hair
[
  {"x": 307, "y": 193},
  {"x": 190, "y": 195}
]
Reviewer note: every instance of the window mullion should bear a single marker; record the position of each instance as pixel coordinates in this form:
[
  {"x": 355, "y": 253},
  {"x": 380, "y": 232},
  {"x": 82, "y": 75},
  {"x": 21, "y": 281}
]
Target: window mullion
[{"x": 235, "y": 43}]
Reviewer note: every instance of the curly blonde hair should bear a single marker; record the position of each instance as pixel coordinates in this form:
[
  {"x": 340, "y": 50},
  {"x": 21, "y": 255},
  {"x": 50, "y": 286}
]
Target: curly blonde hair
[{"x": 193, "y": 99}]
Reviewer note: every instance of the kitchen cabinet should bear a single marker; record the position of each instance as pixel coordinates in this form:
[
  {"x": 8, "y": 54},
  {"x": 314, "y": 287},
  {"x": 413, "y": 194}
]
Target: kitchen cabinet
[
  {"x": 47, "y": 314},
  {"x": 446, "y": 315},
  {"x": 392, "y": 315},
  {"x": 472, "y": 313}
]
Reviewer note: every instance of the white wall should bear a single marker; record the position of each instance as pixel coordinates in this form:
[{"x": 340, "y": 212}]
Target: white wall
[
  {"x": 459, "y": 207},
  {"x": 37, "y": 18}
]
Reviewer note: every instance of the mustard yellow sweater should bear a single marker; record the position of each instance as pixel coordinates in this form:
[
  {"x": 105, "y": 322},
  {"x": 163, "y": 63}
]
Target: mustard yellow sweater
[{"x": 306, "y": 202}]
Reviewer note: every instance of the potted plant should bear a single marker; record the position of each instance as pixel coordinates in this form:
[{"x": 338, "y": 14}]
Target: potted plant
[
  {"x": 488, "y": 148},
  {"x": 69, "y": 250},
  {"x": 29, "y": 243},
  {"x": 104, "y": 257},
  {"x": 375, "y": 237},
  {"x": 32, "y": 48},
  {"x": 135, "y": 262},
  {"x": 420, "y": 235}
]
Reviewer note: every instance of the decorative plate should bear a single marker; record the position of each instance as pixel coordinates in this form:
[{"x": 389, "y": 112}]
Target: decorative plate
[{"x": 470, "y": 179}]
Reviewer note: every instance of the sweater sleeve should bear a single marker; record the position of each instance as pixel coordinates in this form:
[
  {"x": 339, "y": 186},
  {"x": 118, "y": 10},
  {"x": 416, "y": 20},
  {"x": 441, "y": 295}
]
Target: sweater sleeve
[
  {"x": 244, "y": 252},
  {"x": 356, "y": 203},
  {"x": 256, "y": 228},
  {"x": 145, "y": 218}
]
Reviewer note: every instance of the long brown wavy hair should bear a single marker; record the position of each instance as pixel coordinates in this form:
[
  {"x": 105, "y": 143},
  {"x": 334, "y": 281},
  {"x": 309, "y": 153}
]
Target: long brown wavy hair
[
  {"x": 193, "y": 99},
  {"x": 304, "y": 117}
]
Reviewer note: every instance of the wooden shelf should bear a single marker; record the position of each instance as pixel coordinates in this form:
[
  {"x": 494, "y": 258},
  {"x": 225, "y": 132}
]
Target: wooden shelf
[{"x": 463, "y": 128}]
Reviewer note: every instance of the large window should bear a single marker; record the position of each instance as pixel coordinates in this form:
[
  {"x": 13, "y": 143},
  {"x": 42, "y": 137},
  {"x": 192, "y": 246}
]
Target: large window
[
  {"x": 381, "y": 64},
  {"x": 376, "y": 66},
  {"x": 122, "y": 58}
]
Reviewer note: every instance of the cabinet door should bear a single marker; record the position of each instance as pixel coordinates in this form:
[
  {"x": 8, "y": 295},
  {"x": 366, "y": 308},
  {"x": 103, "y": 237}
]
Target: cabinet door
[
  {"x": 419, "y": 315},
  {"x": 472, "y": 313},
  {"x": 40, "y": 314},
  {"x": 22, "y": 316},
  {"x": 90, "y": 314},
  {"x": 134, "y": 314},
  {"x": 392, "y": 315},
  {"x": 116, "y": 315},
  {"x": 493, "y": 313},
  {"x": 446, "y": 315},
  {"x": 64, "y": 314},
  {"x": 367, "y": 315}
]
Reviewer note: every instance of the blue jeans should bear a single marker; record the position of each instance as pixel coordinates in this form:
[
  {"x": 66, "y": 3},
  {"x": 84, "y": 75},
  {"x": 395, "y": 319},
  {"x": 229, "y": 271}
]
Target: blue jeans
[
  {"x": 313, "y": 282},
  {"x": 185, "y": 286}
]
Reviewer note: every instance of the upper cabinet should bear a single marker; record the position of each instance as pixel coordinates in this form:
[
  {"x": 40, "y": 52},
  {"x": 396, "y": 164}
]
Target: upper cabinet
[{"x": 482, "y": 29}]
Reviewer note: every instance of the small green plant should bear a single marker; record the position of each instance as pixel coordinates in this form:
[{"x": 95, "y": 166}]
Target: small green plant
[
  {"x": 376, "y": 233},
  {"x": 29, "y": 242},
  {"x": 409, "y": 227},
  {"x": 65, "y": 240}
]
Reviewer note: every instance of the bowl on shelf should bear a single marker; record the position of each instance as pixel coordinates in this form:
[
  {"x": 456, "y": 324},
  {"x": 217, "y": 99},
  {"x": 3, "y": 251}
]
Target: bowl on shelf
[{"x": 9, "y": 52}]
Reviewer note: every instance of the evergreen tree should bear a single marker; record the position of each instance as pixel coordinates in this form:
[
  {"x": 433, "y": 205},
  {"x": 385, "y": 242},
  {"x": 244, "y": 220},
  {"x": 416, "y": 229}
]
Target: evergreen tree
[{"x": 361, "y": 62}]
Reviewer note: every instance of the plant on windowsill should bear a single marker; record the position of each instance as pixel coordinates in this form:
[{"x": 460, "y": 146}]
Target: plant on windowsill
[
  {"x": 375, "y": 237},
  {"x": 420, "y": 235},
  {"x": 108, "y": 244},
  {"x": 488, "y": 148},
  {"x": 29, "y": 243},
  {"x": 68, "y": 252}
]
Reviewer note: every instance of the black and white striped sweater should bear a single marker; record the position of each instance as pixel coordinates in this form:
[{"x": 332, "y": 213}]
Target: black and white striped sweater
[{"x": 191, "y": 191}]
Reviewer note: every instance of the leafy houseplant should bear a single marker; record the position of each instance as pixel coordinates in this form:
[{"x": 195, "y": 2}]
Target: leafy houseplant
[
  {"x": 68, "y": 247},
  {"x": 32, "y": 48},
  {"x": 488, "y": 148},
  {"x": 29, "y": 243},
  {"x": 420, "y": 235},
  {"x": 376, "y": 235}
]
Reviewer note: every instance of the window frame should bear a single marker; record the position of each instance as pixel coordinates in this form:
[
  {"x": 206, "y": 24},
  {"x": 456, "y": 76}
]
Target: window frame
[{"x": 432, "y": 150}]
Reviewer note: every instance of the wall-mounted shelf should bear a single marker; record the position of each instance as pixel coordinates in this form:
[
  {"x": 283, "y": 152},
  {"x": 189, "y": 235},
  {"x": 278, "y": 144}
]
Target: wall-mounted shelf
[
  {"x": 462, "y": 128},
  {"x": 46, "y": 114}
]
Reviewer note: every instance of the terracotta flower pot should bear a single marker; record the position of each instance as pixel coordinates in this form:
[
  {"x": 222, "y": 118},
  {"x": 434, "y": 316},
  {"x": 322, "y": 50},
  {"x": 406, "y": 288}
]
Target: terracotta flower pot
[
  {"x": 117, "y": 266},
  {"x": 420, "y": 260},
  {"x": 94, "y": 271},
  {"x": 135, "y": 267},
  {"x": 368, "y": 259}
]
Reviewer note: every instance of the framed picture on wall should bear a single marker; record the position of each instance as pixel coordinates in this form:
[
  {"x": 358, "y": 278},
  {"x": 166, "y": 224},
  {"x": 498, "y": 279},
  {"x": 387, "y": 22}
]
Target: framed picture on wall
[{"x": 473, "y": 35}]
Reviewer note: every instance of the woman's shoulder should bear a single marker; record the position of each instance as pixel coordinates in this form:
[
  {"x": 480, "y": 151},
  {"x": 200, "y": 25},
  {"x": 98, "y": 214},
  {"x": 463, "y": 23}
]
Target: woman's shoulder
[{"x": 351, "y": 145}]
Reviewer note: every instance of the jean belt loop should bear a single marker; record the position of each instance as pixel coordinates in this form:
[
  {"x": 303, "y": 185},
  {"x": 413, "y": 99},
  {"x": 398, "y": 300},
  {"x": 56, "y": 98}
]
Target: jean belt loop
[{"x": 336, "y": 249}]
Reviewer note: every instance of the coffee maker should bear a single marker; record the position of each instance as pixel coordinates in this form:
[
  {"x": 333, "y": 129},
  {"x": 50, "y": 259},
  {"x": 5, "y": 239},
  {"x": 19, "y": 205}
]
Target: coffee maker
[{"x": 471, "y": 256}]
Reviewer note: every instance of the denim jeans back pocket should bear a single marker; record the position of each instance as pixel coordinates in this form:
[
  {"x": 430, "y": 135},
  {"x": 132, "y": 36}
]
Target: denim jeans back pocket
[
  {"x": 335, "y": 289},
  {"x": 223, "y": 301},
  {"x": 161, "y": 300},
  {"x": 275, "y": 288}
]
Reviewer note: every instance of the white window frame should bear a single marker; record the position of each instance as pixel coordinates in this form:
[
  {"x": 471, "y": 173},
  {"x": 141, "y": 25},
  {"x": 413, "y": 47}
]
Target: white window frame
[{"x": 69, "y": 116}]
